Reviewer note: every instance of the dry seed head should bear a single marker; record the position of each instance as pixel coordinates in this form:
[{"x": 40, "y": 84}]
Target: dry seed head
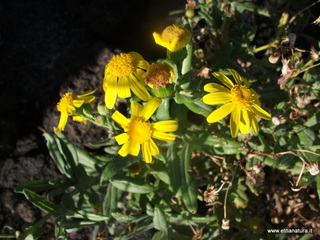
[
  {"x": 210, "y": 195},
  {"x": 314, "y": 54},
  {"x": 313, "y": 168}
]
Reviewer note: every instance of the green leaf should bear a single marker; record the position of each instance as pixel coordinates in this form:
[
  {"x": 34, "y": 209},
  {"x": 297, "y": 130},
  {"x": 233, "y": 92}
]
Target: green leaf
[
  {"x": 159, "y": 220},
  {"x": 54, "y": 152},
  {"x": 189, "y": 189},
  {"x": 318, "y": 186},
  {"x": 199, "y": 107},
  {"x": 110, "y": 201},
  {"x": 42, "y": 185},
  {"x": 181, "y": 181},
  {"x": 133, "y": 185},
  {"x": 173, "y": 165},
  {"x": 160, "y": 235},
  {"x": 89, "y": 216},
  {"x": 306, "y": 135},
  {"x": 44, "y": 204},
  {"x": 117, "y": 164},
  {"x": 129, "y": 218},
  {"x": 35, "y": 231}
]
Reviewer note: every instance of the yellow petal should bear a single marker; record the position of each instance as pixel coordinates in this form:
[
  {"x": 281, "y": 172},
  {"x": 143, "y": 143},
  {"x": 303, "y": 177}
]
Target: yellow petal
[
  {"x": 216, "y": 98},
  {"x": 224, "y": 79},
  {"x": 214, "y": 87},
  {"x": 163, "y": 136},
  {"x": 150, "y": 108},
  {"x": 129, "y": 147},
  {"x": 166, "y": 126},
  {"x": 244, "y": 124},
  {"x": 62, "y": 122},
  {"x": 153, "y": 147},
  {"x": 87, "y": 93},
  {"x": 124, "y": 150},
  {"x": 111, "y": 93},
  {"x": 254, "y": 122},
  {"x": 79, "y": 119},
  {"x": 122, "y": 138},
  {"x": 123, "y": 88},
  {"x": 77, "y": 103},
  {"x": 146, "y": 153},
  {"x": 260, "y": 112},
  {"x": 139, "y": 90},
  {"x": 236, "y": 76},
  {"x": 136, "y": 109},
  {"x": 134, "y": 148},
  {"x": 220, "y": 113},
  {"x": 119, "y": 118},
  {"x": 235, "y": 121},
  {"x": 136, "y": 55}
]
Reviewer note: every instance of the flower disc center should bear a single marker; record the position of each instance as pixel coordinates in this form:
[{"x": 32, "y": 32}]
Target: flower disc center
[
  {"x": 139, "y": 131},
  {"x": 242, "y": 96},
  {"x": 121, "y": 65}
]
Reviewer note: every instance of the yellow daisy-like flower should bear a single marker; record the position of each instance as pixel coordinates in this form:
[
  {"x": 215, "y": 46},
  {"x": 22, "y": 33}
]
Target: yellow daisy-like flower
[
  {"x": 123, "y": 73},
  {"x": 238, "y": 99},
  {"x": 138, "y": 131},
  {"x": 159, "y": 75},
  {"x": 68, "y": 104},
  {"x": 173, "y": 38}
]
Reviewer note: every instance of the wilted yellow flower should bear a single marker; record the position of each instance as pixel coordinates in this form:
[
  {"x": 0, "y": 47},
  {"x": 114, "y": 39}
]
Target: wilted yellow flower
[
  {"x": 173, "y": 38},
  {"x": 238, "y": 99},
  {"x": 68, "y": 104},
  {"x": 123, "y": 73},
  {"x": 159, "y": 75},
  {"x": 138, "y": 131}
]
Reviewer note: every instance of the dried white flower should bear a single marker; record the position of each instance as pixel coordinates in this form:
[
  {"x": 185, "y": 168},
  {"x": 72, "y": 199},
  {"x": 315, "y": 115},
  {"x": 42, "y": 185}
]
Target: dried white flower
[
  {"x": 313, "y": 168},
  {"x": 317, "y": 21},
  {"x": 225, "y": 224}
]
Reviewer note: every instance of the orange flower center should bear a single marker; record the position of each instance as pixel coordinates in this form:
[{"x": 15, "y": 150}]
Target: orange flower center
[
  {"x": 122, "y": 65},
  {"x": 172, "y": 32},
  {"x": 242, "y": 96},
  {"x": 159, "y": 74},
  {"x": 65, "y": 102},
  {"x": 139, "y": 131}
]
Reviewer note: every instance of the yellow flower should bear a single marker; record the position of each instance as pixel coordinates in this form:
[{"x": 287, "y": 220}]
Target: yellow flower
[
  {"x": 123, "y": 73},
  {"x": 159, "y": 75},
  {"x": 138, "y": 131},
  {"x": 173, "y": 38},
  {"x": 238, "y": 99},
  {"x": 68, "y": 104}
]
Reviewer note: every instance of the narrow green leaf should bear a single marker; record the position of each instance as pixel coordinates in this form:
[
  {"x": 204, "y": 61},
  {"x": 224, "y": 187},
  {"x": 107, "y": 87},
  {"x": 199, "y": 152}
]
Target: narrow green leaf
[
  {"x": 44, "y": 204},
  {"x": 130, "y": 184},
  {"x": 42, "y": 185},
  {"x": 115, "y": 165},
  {"x": 110, "y": 201},
  {"x": 173, "y": 165},
  {"x": 189, "y": 188},
  {"x": 159, "y": 220},
  {"x": 160, "y": 235},
  {"x": 35, "y": 231},
  {"x": 306, "y": 137},
  {"x": 54, "y": 152},
  {"x": 199, "y": 107},
  {"x": 89, "y": 216}
]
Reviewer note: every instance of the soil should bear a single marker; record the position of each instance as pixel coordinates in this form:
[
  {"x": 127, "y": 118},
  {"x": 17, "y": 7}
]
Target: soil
[{"x": 48, "y": 47}]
